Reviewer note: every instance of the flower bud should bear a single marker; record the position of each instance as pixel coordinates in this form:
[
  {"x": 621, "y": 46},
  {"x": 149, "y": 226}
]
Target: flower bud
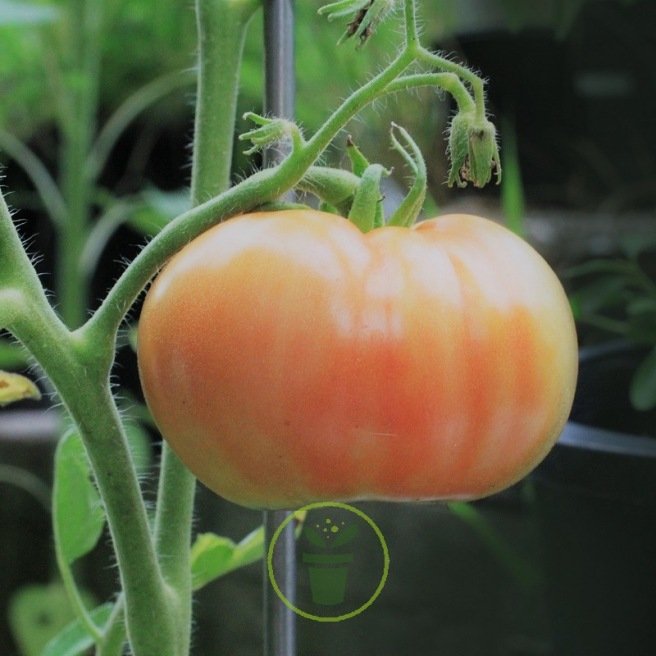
[{"x": 473, "y": 151}]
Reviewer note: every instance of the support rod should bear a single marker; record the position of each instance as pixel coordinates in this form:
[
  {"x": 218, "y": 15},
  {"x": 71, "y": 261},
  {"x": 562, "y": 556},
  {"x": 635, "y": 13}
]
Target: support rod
[{"x": 279, "y": 621}]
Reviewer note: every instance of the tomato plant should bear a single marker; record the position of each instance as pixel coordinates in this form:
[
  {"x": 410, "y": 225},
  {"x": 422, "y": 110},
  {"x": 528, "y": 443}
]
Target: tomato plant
[
  {"x": 287, "y": 355},
  {"x": 287, "y": 358}
]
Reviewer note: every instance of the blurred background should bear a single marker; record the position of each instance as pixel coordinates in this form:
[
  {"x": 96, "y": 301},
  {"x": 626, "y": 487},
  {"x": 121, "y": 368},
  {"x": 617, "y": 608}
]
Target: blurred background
[{"x": 96, "y": 114}]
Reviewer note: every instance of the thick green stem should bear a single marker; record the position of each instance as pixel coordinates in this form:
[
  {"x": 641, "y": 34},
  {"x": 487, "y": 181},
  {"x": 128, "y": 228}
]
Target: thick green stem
[
  {"x": 77, "y": 136},
  {"x": 221, "y": 30},
  {"x": 84, "y": 389},
  {"x": 80, "y": 374}
]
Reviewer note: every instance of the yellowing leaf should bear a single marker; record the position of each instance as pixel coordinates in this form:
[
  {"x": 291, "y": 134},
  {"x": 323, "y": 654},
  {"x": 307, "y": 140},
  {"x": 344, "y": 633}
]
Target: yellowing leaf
[{"x": 14, "y": 387}]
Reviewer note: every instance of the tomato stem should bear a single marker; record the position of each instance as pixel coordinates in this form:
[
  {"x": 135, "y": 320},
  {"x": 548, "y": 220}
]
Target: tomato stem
[{"x": 222, "y": 29}]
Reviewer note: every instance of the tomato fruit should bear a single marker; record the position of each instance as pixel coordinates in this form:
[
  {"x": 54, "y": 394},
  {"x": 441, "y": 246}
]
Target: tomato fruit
[{"x": 289, "y": 358}]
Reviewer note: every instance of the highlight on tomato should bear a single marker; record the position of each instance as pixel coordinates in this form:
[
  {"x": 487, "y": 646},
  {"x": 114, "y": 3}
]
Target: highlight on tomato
[{"x": 289, "y": 358}]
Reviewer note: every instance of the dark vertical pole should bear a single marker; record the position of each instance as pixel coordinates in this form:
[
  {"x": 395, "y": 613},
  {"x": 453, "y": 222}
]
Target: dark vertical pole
[{"x": 279, "y": 621}]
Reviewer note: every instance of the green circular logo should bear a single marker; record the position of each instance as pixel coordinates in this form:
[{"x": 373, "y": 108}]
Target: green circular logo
[{"x": 361, "y": 515}]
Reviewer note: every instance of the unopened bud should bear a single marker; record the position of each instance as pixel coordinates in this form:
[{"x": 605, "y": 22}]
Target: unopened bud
[{"x": 473, "y": 151}]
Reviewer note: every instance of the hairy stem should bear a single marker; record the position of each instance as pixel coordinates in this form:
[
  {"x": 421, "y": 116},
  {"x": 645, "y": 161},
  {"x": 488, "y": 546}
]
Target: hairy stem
[
  {"x": 80, "y": 374},
  {"x": 221, "y": 31}
]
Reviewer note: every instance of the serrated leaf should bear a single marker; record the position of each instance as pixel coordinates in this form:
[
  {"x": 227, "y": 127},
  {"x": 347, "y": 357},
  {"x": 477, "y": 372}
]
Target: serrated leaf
[
  {"x": 643, "y": 385},
  {"x": 22, "y": 13},
  {"x": 37, "y": 613},
  {"x": 78, "y": 515},
  {"x": 213, "y": 556},
  {"x": 14, "y": 387},
  {"x": 73, "y": 639}
]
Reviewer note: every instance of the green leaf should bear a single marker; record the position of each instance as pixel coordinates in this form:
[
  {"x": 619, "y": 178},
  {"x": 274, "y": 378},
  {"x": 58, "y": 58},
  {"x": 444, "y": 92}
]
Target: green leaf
[
  {"x": 73, "y": 639},
  {"x": 643, "y": 385},
  {"x": 12, "y": 355},
  {"x": 22, "y": 13},
  {"x": 600, "y": 265},
  {"x": 634, "y": 245},
  {"x": 158, "y": 208},
  {"x": 213, "y": 556},
  {"x": 78, "y": 514},
  {"x": 36, "y": 614},
  {"x": 602, "y": 293}
]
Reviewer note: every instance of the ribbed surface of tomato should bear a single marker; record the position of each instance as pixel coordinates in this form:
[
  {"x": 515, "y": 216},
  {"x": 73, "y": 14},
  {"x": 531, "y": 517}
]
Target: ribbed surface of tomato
[{"x": 289, "y": 358}]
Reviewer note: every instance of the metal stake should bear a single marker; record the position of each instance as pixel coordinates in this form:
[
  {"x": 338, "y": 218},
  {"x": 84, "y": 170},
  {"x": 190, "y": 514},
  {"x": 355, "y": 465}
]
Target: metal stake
[{"x": 279, "y": 621}]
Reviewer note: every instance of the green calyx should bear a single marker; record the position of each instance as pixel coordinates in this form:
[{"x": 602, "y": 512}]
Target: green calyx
[
  {"x": 473, "y": 150},
  {"x": 364, "y": 16}
]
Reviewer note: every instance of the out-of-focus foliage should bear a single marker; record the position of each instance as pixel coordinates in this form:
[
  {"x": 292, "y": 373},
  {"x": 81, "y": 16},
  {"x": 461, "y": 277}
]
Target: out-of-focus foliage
[{"x": 141, "y": 41}]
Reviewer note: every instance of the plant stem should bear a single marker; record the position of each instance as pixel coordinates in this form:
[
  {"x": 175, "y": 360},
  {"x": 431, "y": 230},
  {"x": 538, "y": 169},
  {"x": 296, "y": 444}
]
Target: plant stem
[
  {"x": 77, "y": 134},
  {"x": 221, "y": 33},
  {"x": 80, "y": 374},
  {"x": 221, "y": 30},
  {"x": 114, "y": 631},
  {"x": 411, "y": 35},
  {"x": 262, "y": 187}
]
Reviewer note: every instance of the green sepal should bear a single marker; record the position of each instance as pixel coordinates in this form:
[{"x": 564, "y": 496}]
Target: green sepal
[
  {"x": 270, "y": 131},
  {"x": 333, "y": 186},
  {"x": 359, "y": 162},
  {"x": 410, "y": 208},
  {"x": 368, "y": 198}
]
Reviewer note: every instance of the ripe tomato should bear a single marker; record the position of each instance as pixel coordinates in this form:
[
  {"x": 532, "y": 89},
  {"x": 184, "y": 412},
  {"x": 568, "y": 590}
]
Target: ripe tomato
[{"x": 289, "y": 358}]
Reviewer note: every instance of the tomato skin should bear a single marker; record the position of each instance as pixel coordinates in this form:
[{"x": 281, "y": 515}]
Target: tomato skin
[{"x": 288, "y": 358}]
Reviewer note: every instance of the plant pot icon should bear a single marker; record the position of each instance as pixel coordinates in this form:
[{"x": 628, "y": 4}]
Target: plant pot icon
[{"x": 328, "y": 577}]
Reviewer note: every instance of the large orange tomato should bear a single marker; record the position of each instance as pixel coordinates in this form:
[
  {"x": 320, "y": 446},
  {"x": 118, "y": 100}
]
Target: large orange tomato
[{"x": 288, "y": 358}]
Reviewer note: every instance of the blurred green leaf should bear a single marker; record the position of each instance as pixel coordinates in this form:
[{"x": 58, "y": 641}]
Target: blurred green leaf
[
  {"x": 74, "y": 640},
  {"x": 12, "y": 355},
  {"x": 213, "y": 556},
  {"x": 36, "y": 614},
  {"x": 512, "y": 188},
  {"x": 634, "y": 245},
  {"x": 643, "y": 385},
  {"x": 605, "y": 292},
  {"x": 601, "y": 265},
  {"x": 157, "y": 209},
  {"x": 78, "y": 514},
  {"x": 25, "y": 13}
]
